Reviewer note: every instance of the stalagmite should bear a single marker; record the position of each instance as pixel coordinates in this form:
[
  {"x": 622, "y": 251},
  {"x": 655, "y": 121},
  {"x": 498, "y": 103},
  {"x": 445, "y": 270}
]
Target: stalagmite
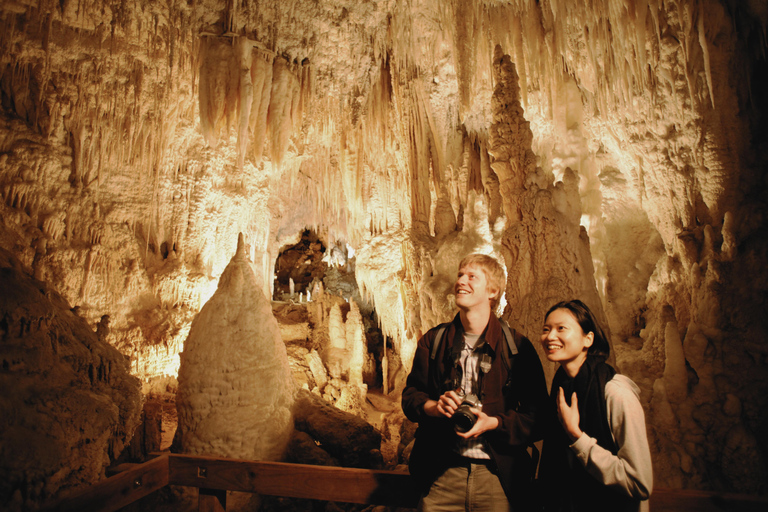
[
  {"x": 336, "y": 329},
  {"x": 675, "y": 374},
  {"x": 235, "y": 388},
  {"x": 356, "y": 346},
  {"x": 540, "y": 242},
  {"x": 318, "y": 370}
]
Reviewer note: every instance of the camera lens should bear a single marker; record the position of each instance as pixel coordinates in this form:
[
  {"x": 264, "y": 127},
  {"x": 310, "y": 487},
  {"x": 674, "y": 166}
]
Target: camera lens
[{"x": 463, "y": 419}]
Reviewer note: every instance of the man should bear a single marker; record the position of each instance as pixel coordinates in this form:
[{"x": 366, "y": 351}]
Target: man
[{"x": 486, "y": 467}]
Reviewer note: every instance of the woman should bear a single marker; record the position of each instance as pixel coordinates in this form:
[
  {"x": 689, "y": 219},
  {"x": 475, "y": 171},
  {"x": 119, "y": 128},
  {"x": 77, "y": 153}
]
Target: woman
[{"x": 595, "y": 455}]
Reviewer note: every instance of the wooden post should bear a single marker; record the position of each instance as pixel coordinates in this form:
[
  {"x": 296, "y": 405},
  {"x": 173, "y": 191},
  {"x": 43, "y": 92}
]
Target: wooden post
[{"x": 212, "y": 500}]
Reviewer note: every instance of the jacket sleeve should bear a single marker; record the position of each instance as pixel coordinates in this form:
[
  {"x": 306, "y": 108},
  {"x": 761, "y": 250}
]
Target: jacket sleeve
[
  {"x": 416, "y": 392},
  {"x": 523, "y": 419},
  {"x": 629, "y": 471}
]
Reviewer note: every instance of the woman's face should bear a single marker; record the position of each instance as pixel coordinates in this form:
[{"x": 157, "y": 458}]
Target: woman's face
[{"x": 563, "y": 340}]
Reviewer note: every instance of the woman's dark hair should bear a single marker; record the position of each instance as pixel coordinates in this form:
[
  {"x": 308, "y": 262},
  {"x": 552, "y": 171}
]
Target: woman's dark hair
[{"x": 588, "y": 323}]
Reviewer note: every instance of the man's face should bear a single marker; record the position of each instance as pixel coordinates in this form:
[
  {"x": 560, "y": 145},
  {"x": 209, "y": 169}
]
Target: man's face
[{"x": 472, "y": 288}]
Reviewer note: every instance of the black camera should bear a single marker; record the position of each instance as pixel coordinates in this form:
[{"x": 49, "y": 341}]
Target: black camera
[{"x": 463, "y": 418}]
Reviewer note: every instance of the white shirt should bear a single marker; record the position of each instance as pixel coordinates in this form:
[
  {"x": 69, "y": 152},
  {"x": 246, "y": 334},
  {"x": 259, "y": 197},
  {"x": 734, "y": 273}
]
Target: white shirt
[{"x": 470, "y": 364}]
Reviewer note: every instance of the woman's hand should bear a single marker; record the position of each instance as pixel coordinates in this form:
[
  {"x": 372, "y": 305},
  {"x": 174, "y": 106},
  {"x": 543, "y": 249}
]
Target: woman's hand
[{"x": 569, "y": 415}]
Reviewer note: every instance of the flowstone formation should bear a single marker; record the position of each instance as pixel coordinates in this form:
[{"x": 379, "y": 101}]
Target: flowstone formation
[
  {"x": 68, "y": 405},
  {"x": 235, "y": 386}
]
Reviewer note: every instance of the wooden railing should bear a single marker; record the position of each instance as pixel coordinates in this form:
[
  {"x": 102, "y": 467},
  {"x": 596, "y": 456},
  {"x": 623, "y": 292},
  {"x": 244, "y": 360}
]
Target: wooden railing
[{"x": 214, "y": 476}]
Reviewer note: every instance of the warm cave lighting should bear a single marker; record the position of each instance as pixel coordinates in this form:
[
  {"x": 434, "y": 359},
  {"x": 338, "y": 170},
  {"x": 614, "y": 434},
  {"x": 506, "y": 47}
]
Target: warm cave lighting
[
  {"x": 208, "y": 290},
  {"x": 172, "y": 368},
  {"x": 222, "y": 202}
]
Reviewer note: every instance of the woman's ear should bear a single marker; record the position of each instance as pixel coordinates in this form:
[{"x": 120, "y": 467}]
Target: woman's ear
[{"x": 589, "y": 339}]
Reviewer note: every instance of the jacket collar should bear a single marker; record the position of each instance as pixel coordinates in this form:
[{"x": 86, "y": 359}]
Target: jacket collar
[{"x": 492, "y": 333}]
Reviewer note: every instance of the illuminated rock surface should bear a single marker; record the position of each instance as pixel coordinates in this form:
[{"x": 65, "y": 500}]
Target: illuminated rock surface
[{"x": 619, "y": 161}]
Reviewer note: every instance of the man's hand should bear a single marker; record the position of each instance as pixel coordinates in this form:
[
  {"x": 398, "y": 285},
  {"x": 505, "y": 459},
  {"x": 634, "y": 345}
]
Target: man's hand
[
  {"x": 483, "y": 423},
  {"x": 569, "y": 415},
  {"x": 445, "y": 406}
]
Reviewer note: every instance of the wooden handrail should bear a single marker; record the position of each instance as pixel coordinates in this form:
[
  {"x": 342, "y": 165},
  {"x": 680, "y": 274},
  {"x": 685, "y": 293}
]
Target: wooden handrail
[
  {"x": 117, "y": 491},
  {"x": 326, "y": 483},
  {"x": 216, "y": 475}
]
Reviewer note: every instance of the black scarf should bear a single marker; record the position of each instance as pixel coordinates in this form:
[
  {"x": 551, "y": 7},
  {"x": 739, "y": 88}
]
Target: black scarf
[{"x": 567, "y": 487}]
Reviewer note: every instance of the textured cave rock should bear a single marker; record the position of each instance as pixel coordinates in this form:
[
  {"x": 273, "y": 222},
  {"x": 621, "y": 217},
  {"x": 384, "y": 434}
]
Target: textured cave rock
[
  {"x": 334, "y": 345},
  {"x": 351, "y": 441},
  {"x": 542, "y": 217},
  {"x": 69, "y": 404},
  {"x": 620, "y": 162}
]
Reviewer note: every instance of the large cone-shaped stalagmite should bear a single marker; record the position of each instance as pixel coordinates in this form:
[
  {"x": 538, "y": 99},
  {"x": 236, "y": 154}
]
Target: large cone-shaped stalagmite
[{"x": 235, "y": 387}]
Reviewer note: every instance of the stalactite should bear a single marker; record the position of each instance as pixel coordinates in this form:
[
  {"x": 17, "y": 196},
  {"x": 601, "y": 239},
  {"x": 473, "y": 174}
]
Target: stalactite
[
  {"x": 352, "y": 173},
  {"x": 378, "y": 108},
  {"x": 86, "y": 286},
  {"x": 217, "y": 86},
  {"x": 464, "y": 43},
  {"x": 283, "y": 100},
  {"x": 517, "y": 35},
  {"x": 244, "y": 53},
  {"x": 424, "y": 151},
  {"x": 53, "y": 225},
  {"x": 705, "y": 49},
  {"x": 307, "y": 91},
  {"x": 261, "y": 76}
]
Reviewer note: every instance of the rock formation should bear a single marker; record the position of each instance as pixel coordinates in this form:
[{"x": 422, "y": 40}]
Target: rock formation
[{"x": 69, "y": 404}]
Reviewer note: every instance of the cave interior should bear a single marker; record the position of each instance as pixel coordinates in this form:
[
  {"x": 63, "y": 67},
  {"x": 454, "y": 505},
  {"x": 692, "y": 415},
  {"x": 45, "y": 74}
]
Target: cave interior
[{"x": 212, "y": 209}]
